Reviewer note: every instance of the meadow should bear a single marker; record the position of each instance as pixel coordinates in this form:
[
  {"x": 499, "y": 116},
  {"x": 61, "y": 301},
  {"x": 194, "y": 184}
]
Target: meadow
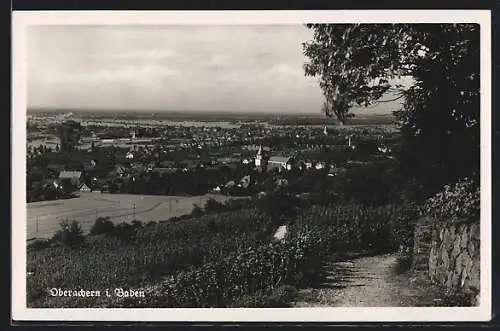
[{"x": 43, "y": 217}]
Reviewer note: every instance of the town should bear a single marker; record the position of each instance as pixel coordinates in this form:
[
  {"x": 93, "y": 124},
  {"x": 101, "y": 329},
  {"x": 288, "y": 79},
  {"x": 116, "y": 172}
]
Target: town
[{"x": 191, "y": 160}]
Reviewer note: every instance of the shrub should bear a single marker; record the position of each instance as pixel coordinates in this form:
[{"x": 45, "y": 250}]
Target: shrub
[
  {"x": 70, "y": 234},
  {"x": 137, "y": 224},
  {"x": 403, "y": 264},
  {"x": 38, "y": 245},
  {"x": 357, "y": 227},
  {"x": 213, "y": 206},
  {"x": 197, "y": 211},
  {"x": 458, "y": 299},
  {"x": 102, "y": 225},
  {"x": 458, "y": 201},
  {"x": 279, "y": 205},
  {"x": 404, "y": 231},
  {"x": 123, "y": 231}
]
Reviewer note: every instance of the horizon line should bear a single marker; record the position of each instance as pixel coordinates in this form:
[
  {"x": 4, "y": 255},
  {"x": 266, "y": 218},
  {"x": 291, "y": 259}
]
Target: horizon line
[{"x": 148, "y": 111}]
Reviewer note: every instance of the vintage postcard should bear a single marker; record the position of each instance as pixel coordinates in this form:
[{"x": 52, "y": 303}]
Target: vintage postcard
[{"x": 233, "y": 166}]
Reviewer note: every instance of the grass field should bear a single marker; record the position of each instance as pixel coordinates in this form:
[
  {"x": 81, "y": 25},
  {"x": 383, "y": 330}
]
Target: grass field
[{"x": 43, "y": 217}]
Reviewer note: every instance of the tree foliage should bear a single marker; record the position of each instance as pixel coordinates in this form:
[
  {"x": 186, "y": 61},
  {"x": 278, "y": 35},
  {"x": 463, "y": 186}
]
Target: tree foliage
[
  {"x": 102, "y": 225},
  {"x": 70, "y": 234},
  {"x": 69, "y": 135},
  {"x": 439, "y": 63}
]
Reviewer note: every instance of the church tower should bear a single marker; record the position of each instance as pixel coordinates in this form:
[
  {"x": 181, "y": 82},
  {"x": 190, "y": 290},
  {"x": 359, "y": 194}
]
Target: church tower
[{"x": 258, "y": 158}]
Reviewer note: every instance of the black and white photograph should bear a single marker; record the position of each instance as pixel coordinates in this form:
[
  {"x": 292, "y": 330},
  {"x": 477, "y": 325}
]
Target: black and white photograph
[{"x": 331, "y": 166}]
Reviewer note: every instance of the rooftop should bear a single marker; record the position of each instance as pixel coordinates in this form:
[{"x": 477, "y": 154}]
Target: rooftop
[
  {"x": 70, "y": 174},
  {"x": 279, "y": 159}
]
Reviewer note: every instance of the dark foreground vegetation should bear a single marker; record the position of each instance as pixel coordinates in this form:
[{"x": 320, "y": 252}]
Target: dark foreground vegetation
[{"x": 214, "y": 260}]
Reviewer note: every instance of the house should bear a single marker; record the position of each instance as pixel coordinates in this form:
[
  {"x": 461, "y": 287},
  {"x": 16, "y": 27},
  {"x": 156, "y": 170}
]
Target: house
[
  {"x": 280, "y": 162},
  {"x": 384, "y": 149},
  {"x": 320, "y": 165},
  {"x": 84, "y": 188},
  {"x": 72, "y": 176},
  {"x": 129, "y": 155}
]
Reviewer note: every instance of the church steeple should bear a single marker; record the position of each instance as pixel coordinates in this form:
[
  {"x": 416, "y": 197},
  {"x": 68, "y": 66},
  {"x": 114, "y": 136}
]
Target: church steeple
[{"x": 258, "y": 158}]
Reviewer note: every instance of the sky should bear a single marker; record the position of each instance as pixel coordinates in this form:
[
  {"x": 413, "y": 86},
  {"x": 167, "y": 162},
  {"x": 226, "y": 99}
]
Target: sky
[{"x": 214, "y": 68}]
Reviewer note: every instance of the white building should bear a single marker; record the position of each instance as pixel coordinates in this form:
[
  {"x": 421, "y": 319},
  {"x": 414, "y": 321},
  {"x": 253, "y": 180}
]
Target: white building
[
  {"x": 259, "y": 157},
  {"x": 280, "y": 162},
  {"x": 384, "y": 149},
  {"x": 320, "y": 165}
]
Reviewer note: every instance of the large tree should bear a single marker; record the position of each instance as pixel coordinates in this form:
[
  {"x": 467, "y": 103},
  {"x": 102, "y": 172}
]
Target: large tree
[
  {"x": 69, "y": 135},
  {"x": 439, "y": 118}
]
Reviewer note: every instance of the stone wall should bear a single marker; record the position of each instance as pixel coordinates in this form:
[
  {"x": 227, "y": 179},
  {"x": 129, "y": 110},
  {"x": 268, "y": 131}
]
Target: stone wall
[{"x": 448, "y": 252}]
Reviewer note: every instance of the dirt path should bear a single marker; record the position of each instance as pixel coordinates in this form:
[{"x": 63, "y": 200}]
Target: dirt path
[{"x": 366, "y": 282}]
